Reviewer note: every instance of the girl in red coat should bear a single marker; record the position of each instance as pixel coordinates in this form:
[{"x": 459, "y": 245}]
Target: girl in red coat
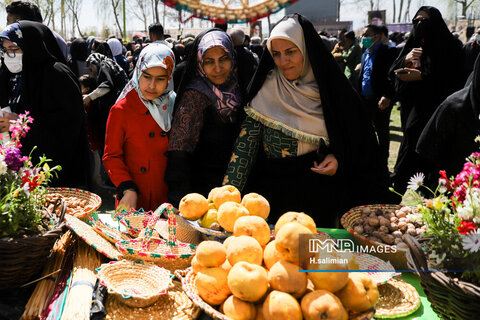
[{"x": 136, "y": 137}]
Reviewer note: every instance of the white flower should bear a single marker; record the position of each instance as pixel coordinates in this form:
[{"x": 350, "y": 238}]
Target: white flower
[
  {"x": 471, "y": 241},
  {"x": 470, "y": 208},
  {"x": 3, "y": 165},
  {"x": 19, "y": 33},
  {"x": 416, "y": 181}
]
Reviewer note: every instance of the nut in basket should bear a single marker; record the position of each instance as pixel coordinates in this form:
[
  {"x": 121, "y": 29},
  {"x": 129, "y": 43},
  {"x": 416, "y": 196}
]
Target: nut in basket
[{"x": 135, "y": 284}]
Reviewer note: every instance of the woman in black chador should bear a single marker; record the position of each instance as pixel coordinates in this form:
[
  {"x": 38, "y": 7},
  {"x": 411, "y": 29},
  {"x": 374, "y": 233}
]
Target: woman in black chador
[
  {"x": 449, "y": 136},
  {"x": 35, "y": 78},
  {"x": 433, "y": 62},
  {"x": 306, "y": 143}
]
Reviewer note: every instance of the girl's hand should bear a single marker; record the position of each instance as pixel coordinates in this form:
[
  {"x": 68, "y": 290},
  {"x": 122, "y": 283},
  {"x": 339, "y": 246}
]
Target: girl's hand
[
  {"x": 328, "y": 166},
  {"x": 129, "y": 200}
]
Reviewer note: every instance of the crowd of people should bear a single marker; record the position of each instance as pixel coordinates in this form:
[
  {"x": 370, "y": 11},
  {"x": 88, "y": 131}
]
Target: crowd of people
[{"x": 298, "y": 118}]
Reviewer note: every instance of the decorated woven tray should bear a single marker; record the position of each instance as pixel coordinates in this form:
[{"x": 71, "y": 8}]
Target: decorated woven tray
[
  {"x": 135, "y": 284},
  {"x": 397, "y": 299},
  {"x": 381, "y": 271},
  {"x": 170, "y": 254},
  {"x": 91, "y": 237},
  {"x": 398, "y": 259},
  {"x": 135, "y": 221},
  {"x": 109, "y": 233},
  {"x": 175, "y": 305},
  {"x": 80, "y": 203}
]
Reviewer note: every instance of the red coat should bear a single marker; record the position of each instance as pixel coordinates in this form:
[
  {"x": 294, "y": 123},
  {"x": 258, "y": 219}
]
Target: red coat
[{"x": 135, "y": 149}]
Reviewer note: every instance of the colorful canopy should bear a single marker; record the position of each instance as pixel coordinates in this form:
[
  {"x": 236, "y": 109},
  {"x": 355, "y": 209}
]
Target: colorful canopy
[{"x": 229, "y": 11}]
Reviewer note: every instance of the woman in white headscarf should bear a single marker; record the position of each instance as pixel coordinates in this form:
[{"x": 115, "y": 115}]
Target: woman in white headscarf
[
  {"x": 306, "y": 142},
  {"x": 137, "y": 131},
  {"x": 117, "y": 51}
]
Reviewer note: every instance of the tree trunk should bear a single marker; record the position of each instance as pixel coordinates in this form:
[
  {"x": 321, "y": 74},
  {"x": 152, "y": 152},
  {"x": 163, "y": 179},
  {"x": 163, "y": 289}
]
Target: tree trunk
[
  {"x": 394, "y": 11},
  {"x": 115, "y": 13},
  {"x": 407, "y": 11},
  {"x": 62, "y": 19},
  {"x": 157, "y": 18},
  {"x": 400, "y": 7}
]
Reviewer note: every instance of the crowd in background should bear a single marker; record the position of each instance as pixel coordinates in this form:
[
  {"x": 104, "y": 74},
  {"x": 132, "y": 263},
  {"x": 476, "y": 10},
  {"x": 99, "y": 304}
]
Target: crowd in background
[{"x": 230, "y": 119}]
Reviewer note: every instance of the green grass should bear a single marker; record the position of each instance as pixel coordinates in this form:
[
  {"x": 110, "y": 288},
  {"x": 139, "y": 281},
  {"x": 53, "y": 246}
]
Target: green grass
[{"x": 395, "y": 136}]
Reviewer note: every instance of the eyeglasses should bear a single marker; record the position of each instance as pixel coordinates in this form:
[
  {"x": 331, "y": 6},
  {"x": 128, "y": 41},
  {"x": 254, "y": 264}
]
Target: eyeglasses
[
  {"x": 417, "y": 20},
  {"x": 11, "y": 53}
]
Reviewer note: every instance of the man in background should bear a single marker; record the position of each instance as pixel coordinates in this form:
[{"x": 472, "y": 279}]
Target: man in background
[{"x": 25, "y": 10}]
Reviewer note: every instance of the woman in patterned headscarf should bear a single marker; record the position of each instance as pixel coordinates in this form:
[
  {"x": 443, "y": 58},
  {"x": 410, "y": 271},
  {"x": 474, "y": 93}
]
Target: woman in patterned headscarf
[
  {"x": 36, "y": 78},
  {"x": 137, "y": 131},
  {"x": 207, "y": 117}
]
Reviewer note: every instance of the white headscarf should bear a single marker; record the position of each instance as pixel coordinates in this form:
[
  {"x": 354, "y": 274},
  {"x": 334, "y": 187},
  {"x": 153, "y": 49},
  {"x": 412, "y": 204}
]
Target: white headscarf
[
  {"x": 161, "y": 108},
  {"x": 294, "y": 107},
  {"x": 116, "y": 46}
]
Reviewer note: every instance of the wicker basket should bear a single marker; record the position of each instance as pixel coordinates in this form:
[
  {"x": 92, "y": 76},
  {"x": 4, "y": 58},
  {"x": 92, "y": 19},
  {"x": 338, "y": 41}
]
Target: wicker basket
[
  {"x": 80, "y": 203},
  {"x": 398, "y": 259},
  {"x": 187, "y": 277},
  {"x": 134, "y": 221},
  {"x": 170, "y": 254},
  {"x": 175, "y": 305},
  {"x": 23, "y": 258},
  {"x": 135, "y": 284},
  {"x": 450, "y": 298},
  {"x": 111, "y": 234}
]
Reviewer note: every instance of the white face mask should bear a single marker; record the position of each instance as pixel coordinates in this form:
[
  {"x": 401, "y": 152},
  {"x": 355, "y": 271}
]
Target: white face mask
[{"x": 14, "y": 65}]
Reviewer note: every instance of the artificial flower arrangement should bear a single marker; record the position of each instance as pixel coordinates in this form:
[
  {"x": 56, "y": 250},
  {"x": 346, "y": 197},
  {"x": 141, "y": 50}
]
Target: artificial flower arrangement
[
  {"x": 452, "y": 215},
  {"x": 23, "y": 186}
]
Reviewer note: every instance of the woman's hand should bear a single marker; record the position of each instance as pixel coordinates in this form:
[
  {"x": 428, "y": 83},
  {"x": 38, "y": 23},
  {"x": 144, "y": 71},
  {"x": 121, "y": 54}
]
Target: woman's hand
[
  {"x": 5, "y": 118},
  {"x": 129, "y": 200},
  {"x": 413, "y": 58},
  {"x": 86, "y": 99},
  {"x": 328, "y": 166},
  {"x": 410, "y": 75}
]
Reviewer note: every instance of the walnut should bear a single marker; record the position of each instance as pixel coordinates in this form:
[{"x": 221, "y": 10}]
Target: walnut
[
  {"x": 383, "y": 229},
  {"x": 379, "y": 212},
  {"x": 393, "y": 227},
  {"x": 394, "y": 219},
  {"x": 368, "y": 228},
  {"x": 412, "y": 231},
  {"x": 366, "y": 210},
  {"x": 397, "y": 234},
  {"x": 373, "y": 222},
  {"x": 358, "y": 229},
  {"x": 402, "y": 226},
  {"x": 384, "y": 221},
  {"x": 401, "y": 214},
  {"x": 388, "y": 239},
  {"x": 374, "y": 239}
]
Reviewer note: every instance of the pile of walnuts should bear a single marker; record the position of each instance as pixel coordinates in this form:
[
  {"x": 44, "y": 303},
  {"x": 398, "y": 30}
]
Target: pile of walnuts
[{"x": 389, "y": 226}]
